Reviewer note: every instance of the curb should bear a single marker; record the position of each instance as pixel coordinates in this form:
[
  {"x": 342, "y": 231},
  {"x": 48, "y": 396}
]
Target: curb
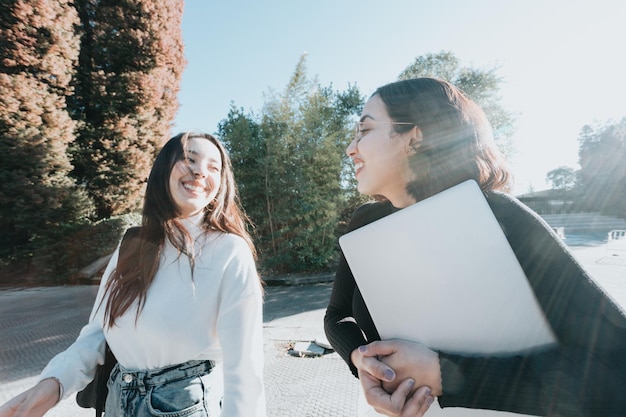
[
  {"x": 288, "y": 280},
  {"x": 298, "y": 279}
]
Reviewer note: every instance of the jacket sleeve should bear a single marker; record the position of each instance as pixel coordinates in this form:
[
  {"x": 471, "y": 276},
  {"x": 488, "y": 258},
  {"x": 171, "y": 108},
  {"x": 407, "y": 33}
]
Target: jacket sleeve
[
  {"x": 340, "y": 325},
  {"x": 585, "y": 373},
  {"x": 342, "y": 332}
]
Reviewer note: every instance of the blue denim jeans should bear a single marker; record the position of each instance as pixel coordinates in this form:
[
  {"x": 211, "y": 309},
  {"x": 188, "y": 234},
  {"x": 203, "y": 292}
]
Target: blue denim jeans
[{"x": 179, "y": 390}]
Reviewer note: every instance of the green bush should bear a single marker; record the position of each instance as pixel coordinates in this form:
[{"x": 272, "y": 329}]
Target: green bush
[{"x": 59, "y": 261}]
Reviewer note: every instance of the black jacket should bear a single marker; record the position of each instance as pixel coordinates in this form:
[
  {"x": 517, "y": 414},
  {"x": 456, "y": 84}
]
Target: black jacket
[{"x": 584, "y": 375}]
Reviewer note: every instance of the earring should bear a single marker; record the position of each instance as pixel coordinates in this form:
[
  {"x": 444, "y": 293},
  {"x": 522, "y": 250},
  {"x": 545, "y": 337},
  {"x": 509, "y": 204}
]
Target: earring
[{"x": 411, "y": 150}]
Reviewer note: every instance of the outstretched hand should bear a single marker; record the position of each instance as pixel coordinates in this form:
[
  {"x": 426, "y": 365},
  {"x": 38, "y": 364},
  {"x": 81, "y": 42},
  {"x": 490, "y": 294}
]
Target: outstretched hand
[
  {"x": 34, "y": 402},
  {"x": 405, "y": 400}
]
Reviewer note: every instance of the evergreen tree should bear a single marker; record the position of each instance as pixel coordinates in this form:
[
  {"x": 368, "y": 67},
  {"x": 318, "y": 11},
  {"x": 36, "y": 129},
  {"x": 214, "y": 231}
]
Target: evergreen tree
[
  {"x": 130, "y": 65},
  {"x": 562, "y": 178},
  {"x": 241, "y": 135},
  {"x": 289, "y": 163},
  {"x": 602, "y": 155},
  {"x": 38, "y": 55},
  {"x": 480, "y": 85}
]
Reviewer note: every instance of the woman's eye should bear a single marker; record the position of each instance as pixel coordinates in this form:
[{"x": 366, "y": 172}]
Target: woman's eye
[{"x": 190, "y": 160}]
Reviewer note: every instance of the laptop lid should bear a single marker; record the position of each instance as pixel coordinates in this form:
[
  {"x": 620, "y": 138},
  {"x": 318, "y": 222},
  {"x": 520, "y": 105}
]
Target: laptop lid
[{"x": 441, "y": 272}]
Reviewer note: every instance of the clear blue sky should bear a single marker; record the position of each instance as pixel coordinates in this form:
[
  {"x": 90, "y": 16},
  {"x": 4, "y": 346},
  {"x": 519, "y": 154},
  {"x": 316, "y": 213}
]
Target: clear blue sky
[{"x": 563, "y": 61}]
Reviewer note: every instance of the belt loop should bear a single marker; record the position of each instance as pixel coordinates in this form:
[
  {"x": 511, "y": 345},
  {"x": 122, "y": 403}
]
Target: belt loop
[{"x": 141, "y": 382}]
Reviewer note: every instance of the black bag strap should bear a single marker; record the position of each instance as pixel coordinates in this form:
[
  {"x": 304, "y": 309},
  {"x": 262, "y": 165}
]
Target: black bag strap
[{"x": 103, "y": 377}]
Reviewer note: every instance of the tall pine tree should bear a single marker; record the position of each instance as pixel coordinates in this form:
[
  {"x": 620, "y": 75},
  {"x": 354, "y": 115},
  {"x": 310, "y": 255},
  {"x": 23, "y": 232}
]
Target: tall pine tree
[
  {"x": 131, "y": 62},
  {"x": 288, "y": 163},
  {"x": 38, "y": 54}
]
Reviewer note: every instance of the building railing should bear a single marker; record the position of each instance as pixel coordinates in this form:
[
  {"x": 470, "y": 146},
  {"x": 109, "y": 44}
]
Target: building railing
[{"x": 616, "y": 244}]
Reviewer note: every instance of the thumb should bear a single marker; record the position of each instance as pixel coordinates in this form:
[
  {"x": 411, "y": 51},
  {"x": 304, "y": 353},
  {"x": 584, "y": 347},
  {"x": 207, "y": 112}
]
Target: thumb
[{"x": 378, "y": 348}]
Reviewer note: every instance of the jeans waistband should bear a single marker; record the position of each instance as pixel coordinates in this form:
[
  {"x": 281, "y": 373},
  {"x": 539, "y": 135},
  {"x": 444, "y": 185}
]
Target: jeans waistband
[{"x": 130, "y": 379}]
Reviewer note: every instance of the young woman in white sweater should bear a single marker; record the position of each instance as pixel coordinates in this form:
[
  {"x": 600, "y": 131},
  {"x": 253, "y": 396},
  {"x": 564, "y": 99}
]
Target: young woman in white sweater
[{"x": 180, "y": 306}]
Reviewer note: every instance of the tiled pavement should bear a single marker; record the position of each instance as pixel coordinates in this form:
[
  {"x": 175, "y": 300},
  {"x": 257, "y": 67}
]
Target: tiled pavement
[{"x": 39, "y": 322}]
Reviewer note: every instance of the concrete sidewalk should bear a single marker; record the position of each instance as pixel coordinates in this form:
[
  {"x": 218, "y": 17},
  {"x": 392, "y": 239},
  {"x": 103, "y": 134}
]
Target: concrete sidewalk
[{"x": 37, "y": 323}]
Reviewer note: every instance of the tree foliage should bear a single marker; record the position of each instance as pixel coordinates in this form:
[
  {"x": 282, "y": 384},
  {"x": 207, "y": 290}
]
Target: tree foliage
[
  {"x": 288, "y": 163},
  {"x": 39, "y": 51},
  {"x": 295, "y": 181},
  {"x": 130, "y": 65},
  {"x": 481, "y": 85},
  {"x": 87, "y": 96},
  {"x": 562, "y": 178},
  {"x": 602, "y": 153}
]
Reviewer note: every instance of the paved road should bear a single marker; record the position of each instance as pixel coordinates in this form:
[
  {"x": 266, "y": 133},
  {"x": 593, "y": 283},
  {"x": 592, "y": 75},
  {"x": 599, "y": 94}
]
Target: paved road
[{"x": 37, "y": 323}]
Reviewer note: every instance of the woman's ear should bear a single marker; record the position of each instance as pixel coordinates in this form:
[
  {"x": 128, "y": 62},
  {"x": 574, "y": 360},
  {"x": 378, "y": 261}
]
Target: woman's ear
[{"x": 415, "y": 141}]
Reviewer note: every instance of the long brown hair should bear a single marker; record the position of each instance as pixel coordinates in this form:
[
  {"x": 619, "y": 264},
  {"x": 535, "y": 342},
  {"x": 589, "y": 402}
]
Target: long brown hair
[
  {"x": 457, "y": 142},
  {"x": 139, "y": 261}
]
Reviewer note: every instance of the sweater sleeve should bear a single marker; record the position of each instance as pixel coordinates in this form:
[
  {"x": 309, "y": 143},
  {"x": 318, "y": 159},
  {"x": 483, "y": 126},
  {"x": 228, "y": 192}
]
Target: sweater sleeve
[
  {"x": 340, "y": 324},
  {"x": 340, "y": 327},
  {"x": 76, "y": 366},
  {"x": 240, "y": 332},
  {"x": 585, "y": 373}
]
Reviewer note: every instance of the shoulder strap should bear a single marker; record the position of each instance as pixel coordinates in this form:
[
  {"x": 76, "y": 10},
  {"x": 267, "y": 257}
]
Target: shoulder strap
[{"x": 131, "y": 233}]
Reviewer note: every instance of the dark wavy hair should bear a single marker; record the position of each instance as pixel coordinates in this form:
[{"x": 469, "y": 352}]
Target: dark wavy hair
[
  {"x": 139, "y": 261},
  {"x": 457, "y": 142}
]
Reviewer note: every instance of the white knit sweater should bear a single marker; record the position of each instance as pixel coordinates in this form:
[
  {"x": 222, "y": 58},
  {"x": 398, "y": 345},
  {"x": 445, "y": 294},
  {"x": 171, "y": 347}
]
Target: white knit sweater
[{"x": 216, "y": 316}]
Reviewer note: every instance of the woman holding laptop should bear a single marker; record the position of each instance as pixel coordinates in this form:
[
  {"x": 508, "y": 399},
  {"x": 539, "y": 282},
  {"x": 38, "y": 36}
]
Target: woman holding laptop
[{"x": 416, "y": 138}]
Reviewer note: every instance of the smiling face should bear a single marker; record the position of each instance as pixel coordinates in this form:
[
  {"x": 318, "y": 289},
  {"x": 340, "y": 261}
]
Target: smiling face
[
  {"x": 195, "y": 180},
  {"x": 380, "y": 155}
]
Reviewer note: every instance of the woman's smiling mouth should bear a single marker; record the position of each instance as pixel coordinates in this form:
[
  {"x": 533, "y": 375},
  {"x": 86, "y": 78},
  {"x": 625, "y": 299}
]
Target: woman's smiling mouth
[
  {"x": 194, "y": 188},
  {"x": 358, "y": 166}
]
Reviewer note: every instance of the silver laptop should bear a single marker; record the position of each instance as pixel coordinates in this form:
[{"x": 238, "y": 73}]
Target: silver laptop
[{"x": 442, "y": 273}]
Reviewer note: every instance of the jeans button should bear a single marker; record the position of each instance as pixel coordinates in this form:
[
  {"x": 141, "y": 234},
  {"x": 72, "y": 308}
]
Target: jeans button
[{"x": 128, "y": 378}]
